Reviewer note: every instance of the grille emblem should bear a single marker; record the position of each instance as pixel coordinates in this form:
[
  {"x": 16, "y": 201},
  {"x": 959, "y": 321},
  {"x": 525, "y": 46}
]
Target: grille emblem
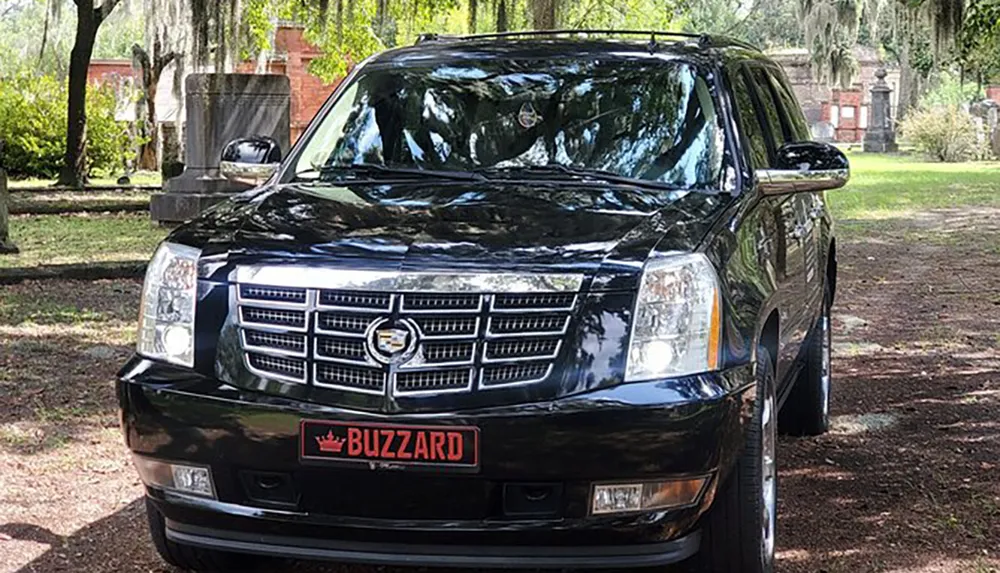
[{"x": 392, "y": 342}]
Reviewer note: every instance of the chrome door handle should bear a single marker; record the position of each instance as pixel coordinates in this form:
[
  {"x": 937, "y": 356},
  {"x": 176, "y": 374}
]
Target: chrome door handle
[
  {"x": 816, "y": 212},
  {"x": 799, "y": 231}
]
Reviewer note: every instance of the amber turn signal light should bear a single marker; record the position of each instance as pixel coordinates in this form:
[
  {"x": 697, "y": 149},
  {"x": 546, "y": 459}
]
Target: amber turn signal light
[{"x": 645, "y": 496}]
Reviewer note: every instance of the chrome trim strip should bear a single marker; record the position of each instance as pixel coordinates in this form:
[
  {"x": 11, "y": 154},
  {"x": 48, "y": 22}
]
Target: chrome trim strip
[
  {"x": 316, "y": 382},
  {"x": 483, "y": 386},
  {"x": 266, "y": 302},
  {"x": 250, "y": 173},
  {"x": 472, "y": 336},
  {"x": 552, "y": 309},
  {"x": 490, "y": 334},
  {"x": 272, "y": 350},
  {"x": 355, "y": 309},
  {"x": 418, "y": 362},
  {"x": 272, "y": 375},
  {"x": 265, "y": 325},
  {"x": 366, "y": 361},
  {"x": 467, "y": 388},
  {"x": 517, "y": 359},
  {"x": 328, "y": 278},
  {"x": 781, "y": 181},
  {"x": 404, "y": 310}
]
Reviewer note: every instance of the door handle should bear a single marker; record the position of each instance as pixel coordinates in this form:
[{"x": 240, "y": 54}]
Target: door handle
[
  {"x": 816, "y": 212},
  {"x": 799, "y": 231}
]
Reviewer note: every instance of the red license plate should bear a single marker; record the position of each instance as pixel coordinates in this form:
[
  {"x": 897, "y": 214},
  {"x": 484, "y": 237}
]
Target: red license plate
[{"x": 388, "y": 445}]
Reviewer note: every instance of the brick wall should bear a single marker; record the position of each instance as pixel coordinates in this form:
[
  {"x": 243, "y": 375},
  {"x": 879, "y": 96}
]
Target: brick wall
[
  {"x": 109, "y": 71},
  {"x": 993, "y": 93},
  {"x": 292, "y": 54}
]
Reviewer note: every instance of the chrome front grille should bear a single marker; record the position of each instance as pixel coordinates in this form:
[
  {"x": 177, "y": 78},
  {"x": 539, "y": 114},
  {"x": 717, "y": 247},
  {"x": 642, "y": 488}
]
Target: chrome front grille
[{"x": 465, "y": 341}]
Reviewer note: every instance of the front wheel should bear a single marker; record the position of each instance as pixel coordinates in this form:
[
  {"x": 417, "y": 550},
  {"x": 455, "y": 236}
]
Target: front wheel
[{"x": 738, "y": 535}]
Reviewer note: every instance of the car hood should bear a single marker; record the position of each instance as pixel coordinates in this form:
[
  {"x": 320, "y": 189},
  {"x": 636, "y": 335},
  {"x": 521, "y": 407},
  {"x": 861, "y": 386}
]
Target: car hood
[{"x": 604, "y": 232}]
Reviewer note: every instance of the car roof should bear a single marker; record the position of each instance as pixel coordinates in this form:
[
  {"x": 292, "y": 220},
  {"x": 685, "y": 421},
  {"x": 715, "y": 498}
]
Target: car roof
[{"x": 558, "y": 44}]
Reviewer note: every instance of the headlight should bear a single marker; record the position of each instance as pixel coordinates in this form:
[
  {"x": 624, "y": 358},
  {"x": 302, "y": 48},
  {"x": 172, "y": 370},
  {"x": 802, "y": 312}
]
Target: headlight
[
  {"x": 166, "y": 321},
  {"x": 675, "y": 330}
]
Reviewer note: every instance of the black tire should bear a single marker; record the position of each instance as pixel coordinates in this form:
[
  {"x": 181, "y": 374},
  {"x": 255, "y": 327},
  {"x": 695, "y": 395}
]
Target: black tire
[
  {"x": 806, "y": 412},
  {"x": 195, "y": 558},
  {"x": 733, "y": 531}
]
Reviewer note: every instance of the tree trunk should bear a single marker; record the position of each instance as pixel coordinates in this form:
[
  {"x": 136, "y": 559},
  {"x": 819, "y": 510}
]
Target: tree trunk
[
  {"x": 908, "y": 89},
  {"x": 149, "y": 153},
  {"x": 473, "y": 12},
  {"x": 74, "y": 171},
  {"x": 6, "y": 247},
  {"x": 501, "y": 15},
  {"x": 543, "y": 14}
]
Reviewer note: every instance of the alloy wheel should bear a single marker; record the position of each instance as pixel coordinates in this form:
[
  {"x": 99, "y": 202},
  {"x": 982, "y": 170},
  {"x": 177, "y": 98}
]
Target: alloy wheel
[{"x": 769, "y": 477}]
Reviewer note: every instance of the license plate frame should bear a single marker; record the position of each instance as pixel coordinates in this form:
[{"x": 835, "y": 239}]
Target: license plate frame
[{"x": 427, "y": 447}]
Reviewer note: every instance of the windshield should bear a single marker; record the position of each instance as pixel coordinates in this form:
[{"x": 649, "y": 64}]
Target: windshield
[{"x": 647, "y": 120}]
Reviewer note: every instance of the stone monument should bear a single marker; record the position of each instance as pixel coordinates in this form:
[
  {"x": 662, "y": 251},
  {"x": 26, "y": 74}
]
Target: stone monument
[
  {"x": 880, "y": 137},
  {"x": 220, "y": 108},
  {"x": 6, "y": 247}
]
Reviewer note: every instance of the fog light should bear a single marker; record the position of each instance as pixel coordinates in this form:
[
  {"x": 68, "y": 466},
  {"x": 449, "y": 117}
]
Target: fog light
[
  {"x": 644, "y": 496},
  {"x": 195, "y": 480}
]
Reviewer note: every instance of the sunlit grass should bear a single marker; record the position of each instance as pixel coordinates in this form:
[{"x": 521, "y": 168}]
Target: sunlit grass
[
  {"x": 885, "y": 186},
  {"x": 83, "y": 238}
]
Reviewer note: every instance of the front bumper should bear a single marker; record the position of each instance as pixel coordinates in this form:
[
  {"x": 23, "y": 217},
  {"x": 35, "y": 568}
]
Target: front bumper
[{"x": 643, "y": 431}]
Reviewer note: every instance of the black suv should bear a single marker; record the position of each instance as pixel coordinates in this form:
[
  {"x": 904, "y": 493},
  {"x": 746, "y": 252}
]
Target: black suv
[{"x": 522, "y": 300}]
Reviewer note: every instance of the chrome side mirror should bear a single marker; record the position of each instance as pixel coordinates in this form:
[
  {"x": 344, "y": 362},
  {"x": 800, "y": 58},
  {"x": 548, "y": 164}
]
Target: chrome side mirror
[
  {"x": 250, "y": 160},
  {"x": 807, "y": 166}
]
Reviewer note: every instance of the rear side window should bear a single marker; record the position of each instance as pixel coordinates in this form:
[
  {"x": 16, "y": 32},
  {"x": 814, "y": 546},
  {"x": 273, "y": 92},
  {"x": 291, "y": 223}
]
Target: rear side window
[
  {"x": 753, "y": 135},
  {"x": 797, "y": 128},
  {"x": 772, "y": 112}
]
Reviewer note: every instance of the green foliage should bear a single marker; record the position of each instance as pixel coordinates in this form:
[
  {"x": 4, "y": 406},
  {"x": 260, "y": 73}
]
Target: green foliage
[
  {"x": 944, "y": 133},
  {"x": 763, "y": 23},
  {"x": 33, "y": 127},
  {"x": 22, "y": 28},
  {"x": 979, "y": 44},
  {"x": 951, "y": 92}
]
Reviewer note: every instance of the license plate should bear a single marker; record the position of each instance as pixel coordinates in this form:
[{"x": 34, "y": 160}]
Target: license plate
[{"x": 390, "y": 445}]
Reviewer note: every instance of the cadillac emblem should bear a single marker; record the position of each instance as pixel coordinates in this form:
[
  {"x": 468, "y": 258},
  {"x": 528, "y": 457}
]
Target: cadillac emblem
[
  {"x": 528, "y": 117},
  {"x": 392, "y": 342}
]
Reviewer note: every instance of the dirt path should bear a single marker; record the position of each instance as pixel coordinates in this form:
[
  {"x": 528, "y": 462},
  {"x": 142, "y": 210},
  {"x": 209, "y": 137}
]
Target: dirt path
[{"x": 909, "y": 481}]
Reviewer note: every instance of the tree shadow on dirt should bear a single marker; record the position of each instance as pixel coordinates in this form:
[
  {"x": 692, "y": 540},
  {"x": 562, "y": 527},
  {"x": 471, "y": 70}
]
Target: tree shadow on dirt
[{"x": 920, "y": 493}]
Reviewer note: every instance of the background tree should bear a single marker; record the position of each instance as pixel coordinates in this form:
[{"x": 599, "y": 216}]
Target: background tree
[{"x": 88, "y": 19}]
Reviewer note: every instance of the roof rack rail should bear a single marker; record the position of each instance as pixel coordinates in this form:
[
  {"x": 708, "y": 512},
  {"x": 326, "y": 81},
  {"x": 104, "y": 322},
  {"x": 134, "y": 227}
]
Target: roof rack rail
[{"x": 702, "y": 39}]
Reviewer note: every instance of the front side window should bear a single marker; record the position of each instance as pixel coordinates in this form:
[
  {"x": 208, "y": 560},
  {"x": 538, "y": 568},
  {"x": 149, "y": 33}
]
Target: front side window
[{"x": 651, "y": 120}]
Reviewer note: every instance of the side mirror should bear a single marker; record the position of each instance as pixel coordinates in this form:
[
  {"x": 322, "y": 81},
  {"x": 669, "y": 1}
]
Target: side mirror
[
  {"x": 806, "y": 166},
  {"x": 250, "y": 160}
]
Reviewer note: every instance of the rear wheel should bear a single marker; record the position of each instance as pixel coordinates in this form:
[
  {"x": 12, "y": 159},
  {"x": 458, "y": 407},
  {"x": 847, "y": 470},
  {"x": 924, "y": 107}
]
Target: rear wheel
[
  {"x": 195, "y": 558},
  {"x": 806, "y": 412},
  {"x": 738, "y": 533}
]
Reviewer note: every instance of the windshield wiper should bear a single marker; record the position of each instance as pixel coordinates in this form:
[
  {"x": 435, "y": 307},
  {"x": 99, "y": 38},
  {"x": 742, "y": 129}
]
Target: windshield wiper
[
  {"x": 369, "y": 170},
  {"x": 557, "y": 169}
]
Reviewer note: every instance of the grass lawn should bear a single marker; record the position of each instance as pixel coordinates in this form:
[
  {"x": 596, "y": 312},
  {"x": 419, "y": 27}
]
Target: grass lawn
[
  {"x": 50, "y": 201},
  {"x": 885, "y": 186},
  {"x": 82, "y": 238},
  {"x": 138, "y": 178}
]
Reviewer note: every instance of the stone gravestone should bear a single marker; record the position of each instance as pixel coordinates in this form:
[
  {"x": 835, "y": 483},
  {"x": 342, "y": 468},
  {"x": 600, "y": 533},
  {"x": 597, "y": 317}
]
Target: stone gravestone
[
  {"x": 880, "y": 137},
  {"x": 6, "y": 247},
  {"x": 220, "y": 108}
]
